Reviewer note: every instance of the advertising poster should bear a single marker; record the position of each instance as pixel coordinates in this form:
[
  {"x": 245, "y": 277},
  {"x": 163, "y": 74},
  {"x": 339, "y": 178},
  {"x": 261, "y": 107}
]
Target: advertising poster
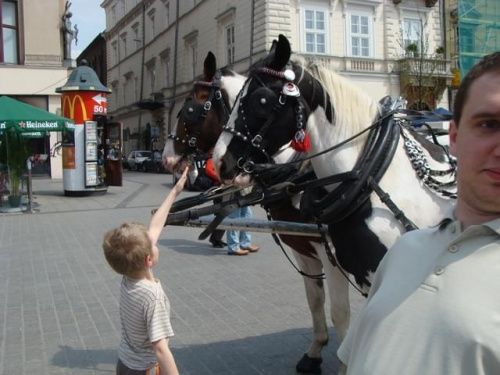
[
  {"x": 91, "y": 151},
  {"x": 90, "y": 174}
]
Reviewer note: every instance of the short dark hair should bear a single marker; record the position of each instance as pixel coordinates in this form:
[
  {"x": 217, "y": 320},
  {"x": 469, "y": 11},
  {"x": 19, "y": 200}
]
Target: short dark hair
[{"x": 488, "y": 64}]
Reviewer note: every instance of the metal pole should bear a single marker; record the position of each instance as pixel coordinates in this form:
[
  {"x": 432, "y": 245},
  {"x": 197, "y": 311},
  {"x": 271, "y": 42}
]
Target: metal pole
[{"x": 30, "y": 186}]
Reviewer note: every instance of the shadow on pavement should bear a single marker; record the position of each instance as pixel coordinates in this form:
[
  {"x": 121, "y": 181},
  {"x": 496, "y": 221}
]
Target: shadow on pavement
[
  {"x": 193, "y": 247},
  {"x": 89, "y": 359},
  {"x": 257, "y": 355}
]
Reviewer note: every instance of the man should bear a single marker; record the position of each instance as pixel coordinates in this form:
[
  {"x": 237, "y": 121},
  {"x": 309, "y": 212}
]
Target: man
[{"x": 434, "y": 306}]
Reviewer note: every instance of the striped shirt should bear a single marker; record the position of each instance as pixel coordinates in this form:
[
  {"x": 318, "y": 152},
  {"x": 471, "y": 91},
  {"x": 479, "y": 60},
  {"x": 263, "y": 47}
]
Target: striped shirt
[{"x": 145, "y": 318}]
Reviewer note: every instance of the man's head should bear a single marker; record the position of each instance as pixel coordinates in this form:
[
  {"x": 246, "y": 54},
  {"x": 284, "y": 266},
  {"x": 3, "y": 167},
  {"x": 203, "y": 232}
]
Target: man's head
[
  {"x": 489, "y": 64},
  {"x": 127, "y": 249},
  {"x": 475, "y": 141}
]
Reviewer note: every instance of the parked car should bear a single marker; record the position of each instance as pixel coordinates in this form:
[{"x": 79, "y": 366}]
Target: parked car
[
  {"x": 136, "y": 158},
  {"x": 154, "y": 163}
]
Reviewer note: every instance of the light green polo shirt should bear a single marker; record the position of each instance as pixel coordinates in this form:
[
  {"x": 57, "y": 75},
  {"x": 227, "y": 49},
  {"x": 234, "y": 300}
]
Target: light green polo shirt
[{"x": 434, "y": 306}]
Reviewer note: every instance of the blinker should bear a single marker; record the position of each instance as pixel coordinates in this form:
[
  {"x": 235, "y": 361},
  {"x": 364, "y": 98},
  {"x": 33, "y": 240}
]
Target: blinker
[
  {"x": 192, "y": 111},
  {"x": 290, "y": 89},
  {"x": 262, "y": 102}
]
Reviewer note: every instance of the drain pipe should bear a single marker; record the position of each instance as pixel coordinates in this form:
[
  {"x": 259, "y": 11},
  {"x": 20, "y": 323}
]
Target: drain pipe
[
  {"x": 252, "y": 16},
  {"x": 174, "y": 90},
  {"x": 141, "y": 89}
]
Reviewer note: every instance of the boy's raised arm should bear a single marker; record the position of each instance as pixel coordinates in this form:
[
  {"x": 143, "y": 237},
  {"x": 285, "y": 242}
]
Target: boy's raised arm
[{"x": 158, "y": 220}]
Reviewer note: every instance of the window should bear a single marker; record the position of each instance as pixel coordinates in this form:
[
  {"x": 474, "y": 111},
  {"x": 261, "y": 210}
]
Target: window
[
  {"x": 128, "y": 89},
  {"x": 152, "y": 78},
  {"x": 116, "y": 94},
  {"x": 114, "y": 47},
  {"x": 152, "y": 31},
  {"x": 412, "y": 31},
  {"x": 314, "y": 28},
  {"x": 151, "y": 71},
  {"x": 191, "y": 42},
  {"x": 137, "y": 40},
  {"x": 165, "y": 65},
  {"x": 113, "y": 15},
  {"x": 122, "y": 6},
  {"x": 230, "y": 44},
  {"x": 193, "y": 50},
  {"x": 136, "y": 88},
  {"x": 360, "y": 35},
  {"x": 9, "y": 33},
  {"x": 124, "y": 45},
  {"x": 167, "y": 14},
  {"x": 226, "y": 36}
]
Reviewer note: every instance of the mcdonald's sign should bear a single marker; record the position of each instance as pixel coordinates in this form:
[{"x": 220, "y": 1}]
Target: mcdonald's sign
[{"x": 74, "y": 107}]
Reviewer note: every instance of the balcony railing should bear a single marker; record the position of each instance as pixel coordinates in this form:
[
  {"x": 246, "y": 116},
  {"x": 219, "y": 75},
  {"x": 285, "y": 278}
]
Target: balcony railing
[{"x": 427, "y": 64}]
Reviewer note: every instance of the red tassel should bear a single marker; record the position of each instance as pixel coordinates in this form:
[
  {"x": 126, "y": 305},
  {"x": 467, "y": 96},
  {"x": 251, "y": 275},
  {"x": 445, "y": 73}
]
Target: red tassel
[{"x": 301, "y": 141}]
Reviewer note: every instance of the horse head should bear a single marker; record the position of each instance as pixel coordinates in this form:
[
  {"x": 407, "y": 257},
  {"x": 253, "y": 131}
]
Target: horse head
[
  {"x": 270, "y": 113},
  {"x": 204, "y": 112}
]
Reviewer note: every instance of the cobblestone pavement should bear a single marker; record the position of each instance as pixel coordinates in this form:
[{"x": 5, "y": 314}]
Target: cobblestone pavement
[{"x": 59, "y": 298}]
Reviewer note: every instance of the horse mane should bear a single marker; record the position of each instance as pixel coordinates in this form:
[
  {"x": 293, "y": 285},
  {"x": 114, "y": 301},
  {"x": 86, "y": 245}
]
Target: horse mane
[{"x": 354, "y": 109}]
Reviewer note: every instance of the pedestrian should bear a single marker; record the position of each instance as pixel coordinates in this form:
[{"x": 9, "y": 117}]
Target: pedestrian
[
  {"x": 434, "y": 305},
  {"x": 239, "y": 242},
  {"x": 218, "y": 234},
  {"x": 131, "y": 250}
]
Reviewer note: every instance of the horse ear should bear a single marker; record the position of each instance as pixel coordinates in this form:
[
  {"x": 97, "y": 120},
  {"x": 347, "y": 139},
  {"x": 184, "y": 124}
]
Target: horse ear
[
  {"x": 273, "y": 46},
  {"x": 282, "y": 53},
  {"x": 209, "y": 66}
]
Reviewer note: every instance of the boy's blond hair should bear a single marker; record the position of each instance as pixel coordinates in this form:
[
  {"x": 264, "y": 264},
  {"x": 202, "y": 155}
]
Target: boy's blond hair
[{"x": 127, "y": 247}]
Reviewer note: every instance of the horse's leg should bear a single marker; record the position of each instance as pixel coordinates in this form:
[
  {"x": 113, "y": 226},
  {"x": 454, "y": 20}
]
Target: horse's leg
[
  {"x": 315, "y": 293},
  {"x": 338, "y": 288}
]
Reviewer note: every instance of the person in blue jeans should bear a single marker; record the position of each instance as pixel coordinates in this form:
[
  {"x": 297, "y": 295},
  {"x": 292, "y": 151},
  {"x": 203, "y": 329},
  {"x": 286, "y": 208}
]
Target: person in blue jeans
[{"x": 239, "y": 242}]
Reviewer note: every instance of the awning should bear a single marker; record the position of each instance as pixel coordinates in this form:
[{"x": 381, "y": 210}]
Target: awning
[{"x": 24, "y": 118}]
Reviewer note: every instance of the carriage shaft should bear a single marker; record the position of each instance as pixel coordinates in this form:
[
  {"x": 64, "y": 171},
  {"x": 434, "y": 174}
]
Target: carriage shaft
[{"x": 256, "y": 225}]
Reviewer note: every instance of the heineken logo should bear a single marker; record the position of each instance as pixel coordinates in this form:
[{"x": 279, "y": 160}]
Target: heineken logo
[{"x": 38, "y": 124}]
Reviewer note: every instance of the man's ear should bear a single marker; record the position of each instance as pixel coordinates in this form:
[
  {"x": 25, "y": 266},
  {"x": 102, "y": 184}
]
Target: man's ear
[{"x": 453, "y": 133}]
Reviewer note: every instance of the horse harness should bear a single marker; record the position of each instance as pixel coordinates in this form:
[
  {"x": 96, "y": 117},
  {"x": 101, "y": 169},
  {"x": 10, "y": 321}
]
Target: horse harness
[
  {"x": 354, "y": 187},
  {"x": 267, "y": 104},
  {"x": 194, "y": 114}
]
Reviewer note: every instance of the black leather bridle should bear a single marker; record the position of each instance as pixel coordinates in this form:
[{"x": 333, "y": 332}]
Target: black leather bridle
[{"x": 194, "y": 114}]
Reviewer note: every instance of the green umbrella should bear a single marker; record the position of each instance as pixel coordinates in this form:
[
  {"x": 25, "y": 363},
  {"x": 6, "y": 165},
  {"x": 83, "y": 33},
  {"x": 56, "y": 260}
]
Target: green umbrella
[{"x": 25, "y": 118}]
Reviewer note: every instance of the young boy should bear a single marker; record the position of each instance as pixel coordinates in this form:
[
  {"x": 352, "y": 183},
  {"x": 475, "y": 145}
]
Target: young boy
[{"x": 131, "y": 251}]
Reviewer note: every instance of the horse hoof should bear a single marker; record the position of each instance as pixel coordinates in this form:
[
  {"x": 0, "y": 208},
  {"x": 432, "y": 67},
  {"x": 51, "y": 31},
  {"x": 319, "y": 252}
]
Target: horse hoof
[{"x": 308, "y": 365}]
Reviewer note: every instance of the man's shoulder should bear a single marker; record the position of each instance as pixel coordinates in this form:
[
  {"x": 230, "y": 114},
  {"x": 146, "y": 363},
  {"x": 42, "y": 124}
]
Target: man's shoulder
[{"x": 420, "y": 233}]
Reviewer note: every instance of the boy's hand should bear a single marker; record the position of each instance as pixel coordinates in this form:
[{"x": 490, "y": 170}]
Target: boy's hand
[{"x": 179, "y": 186}]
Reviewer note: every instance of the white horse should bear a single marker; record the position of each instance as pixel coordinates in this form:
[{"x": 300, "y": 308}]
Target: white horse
[
  {"x": 280, "y": 100},
  {"x": 308, "y": 251}
]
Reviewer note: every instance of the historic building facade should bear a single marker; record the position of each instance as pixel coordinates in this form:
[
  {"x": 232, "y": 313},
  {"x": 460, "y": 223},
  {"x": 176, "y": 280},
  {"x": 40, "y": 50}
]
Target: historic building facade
[
  {"x": 33, "y": 64},
  {"x": 156, "y": 47}
]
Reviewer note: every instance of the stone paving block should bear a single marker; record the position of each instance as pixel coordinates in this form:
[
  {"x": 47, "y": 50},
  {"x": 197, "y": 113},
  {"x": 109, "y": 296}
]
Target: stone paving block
[{"x": 231, "y": 315}]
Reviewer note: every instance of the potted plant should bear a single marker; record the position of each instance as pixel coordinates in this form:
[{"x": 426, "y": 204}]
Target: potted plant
[
  {"x": 16, "y": 162},
  {"x": 412, "y": 49}
]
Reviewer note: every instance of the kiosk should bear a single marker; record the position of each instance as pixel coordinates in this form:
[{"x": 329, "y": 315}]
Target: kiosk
[{"x": 92, "y": 154}]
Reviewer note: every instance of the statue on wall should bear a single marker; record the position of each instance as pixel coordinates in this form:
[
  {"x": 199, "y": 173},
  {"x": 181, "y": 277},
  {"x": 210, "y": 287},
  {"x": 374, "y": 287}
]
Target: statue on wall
[{"x": 68, "y": 33}]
